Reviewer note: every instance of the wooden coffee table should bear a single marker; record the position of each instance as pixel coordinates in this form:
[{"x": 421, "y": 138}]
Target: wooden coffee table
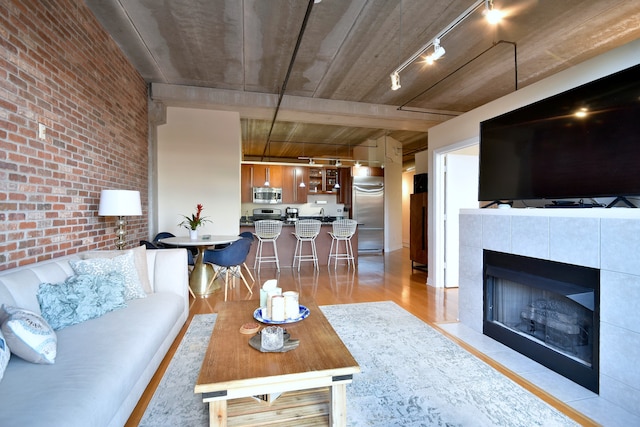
[{"x": 234, "y": 370}]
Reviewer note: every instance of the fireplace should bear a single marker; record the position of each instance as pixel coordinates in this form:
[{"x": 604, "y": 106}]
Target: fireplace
[{"x": 545, "y": 310}]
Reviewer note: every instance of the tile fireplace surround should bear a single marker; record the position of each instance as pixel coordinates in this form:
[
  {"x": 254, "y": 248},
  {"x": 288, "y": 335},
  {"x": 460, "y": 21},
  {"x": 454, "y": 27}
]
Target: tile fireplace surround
[{"x": 607, "y": 239}]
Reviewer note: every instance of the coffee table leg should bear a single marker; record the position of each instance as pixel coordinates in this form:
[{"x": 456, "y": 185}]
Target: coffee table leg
[
  {"x": 338, "y": 415},
  {"x": 218, "y": 413}
]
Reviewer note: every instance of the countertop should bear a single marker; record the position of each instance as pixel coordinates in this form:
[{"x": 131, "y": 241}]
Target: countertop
[{"x": 325, "y": 220}]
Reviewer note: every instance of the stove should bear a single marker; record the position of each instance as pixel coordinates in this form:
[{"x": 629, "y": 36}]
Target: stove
[{"x": 267, "y": 213}]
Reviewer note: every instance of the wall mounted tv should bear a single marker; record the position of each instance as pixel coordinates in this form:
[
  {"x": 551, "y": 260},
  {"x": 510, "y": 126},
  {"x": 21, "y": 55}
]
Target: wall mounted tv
[{"x": 580, "y": 144}]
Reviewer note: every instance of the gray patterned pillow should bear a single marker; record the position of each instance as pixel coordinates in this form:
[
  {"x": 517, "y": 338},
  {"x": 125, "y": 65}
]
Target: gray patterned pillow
[
  {"x": 5, "y": 354},
  {"x": 28, "y": 335},
  {"x": 122, "y": 264}
]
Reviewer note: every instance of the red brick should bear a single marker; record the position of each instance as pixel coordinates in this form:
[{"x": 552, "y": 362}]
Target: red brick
[{"x": 96, "y": 130}]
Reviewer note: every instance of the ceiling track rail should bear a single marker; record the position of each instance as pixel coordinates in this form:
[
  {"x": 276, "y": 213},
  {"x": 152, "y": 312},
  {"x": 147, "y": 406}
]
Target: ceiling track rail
[
  {"x": 515, "y": 67},
  {"x": 286, "y": 79}
]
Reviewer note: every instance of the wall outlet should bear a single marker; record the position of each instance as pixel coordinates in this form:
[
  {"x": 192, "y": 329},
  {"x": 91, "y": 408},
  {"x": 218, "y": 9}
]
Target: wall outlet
[{"x": 42, "y": 131}]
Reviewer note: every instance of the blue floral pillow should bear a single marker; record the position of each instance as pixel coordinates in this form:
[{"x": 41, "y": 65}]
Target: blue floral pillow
[
  {"x": 123, "y": 264},
  {"x": 81, "y": 297}
]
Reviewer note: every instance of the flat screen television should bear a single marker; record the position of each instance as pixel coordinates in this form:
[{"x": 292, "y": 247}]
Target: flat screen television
[{"x": 583, "y": 143}]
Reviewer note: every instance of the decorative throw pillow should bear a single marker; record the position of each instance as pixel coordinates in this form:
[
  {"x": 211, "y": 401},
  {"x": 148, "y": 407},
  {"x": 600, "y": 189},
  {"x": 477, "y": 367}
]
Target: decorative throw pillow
[
  {"x": 122, "y": 264},
  {"x": 80, "y": 298},
  {"x": 5, "y": 355},
  {"x": 28, "y": 335},
  {"x": 139, "y": 259}
]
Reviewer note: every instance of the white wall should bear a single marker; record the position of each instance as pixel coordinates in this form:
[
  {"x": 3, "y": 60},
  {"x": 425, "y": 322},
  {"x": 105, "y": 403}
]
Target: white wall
[
  {"x": 467, "y": 126},
  {"x": 199, "y": 154}
]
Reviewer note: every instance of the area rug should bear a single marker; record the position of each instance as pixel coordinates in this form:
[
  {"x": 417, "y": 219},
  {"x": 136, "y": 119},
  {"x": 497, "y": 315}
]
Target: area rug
[{"x": 411, "y": 376}]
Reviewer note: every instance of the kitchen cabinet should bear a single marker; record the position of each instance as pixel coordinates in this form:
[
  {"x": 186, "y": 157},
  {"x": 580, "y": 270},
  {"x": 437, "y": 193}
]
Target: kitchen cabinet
[
  {"x": 344, "y": 192},
  {"x": 246, "y": 183},
  {"x": 292, "y": 176},
  {"x": 418, "y": 230},
  {"x": 255, "y": 175},
  {"x": 322, "y": 180},
  {"x": 263, "y": 172}
]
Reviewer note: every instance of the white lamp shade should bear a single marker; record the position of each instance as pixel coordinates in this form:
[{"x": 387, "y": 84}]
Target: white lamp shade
[{"x": 120, "y": 203}]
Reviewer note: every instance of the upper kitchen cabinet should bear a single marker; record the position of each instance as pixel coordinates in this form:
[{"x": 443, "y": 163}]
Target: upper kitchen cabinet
[
  {"x": 322, "y": 180},
  {"x": 292, "y": 177},
  {"x": 367, "y": 171},
  {"x": 256, "y": 175},
  {"x": 344, "y": 192},
  {"x": 246, "y": 183}
]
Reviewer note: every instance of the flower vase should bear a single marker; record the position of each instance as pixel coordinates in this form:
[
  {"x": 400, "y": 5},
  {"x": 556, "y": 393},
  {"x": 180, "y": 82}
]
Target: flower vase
[{"x": 193, "y": 234}]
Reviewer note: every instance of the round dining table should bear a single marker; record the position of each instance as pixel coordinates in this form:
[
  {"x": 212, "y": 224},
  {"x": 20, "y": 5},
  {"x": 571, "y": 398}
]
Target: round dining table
[{"x": 200, "y": 282}]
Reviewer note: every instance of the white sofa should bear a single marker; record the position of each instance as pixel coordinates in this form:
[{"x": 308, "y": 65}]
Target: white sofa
[{"x": 103, "y": 365}]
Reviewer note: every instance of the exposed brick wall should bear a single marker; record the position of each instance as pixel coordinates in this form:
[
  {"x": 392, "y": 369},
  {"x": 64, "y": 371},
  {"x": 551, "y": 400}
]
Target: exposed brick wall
[{"x": 60, "y": 68}]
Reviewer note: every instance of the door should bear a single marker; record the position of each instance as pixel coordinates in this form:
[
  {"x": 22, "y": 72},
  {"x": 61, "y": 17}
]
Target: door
[{"x": 461, "y": 171}]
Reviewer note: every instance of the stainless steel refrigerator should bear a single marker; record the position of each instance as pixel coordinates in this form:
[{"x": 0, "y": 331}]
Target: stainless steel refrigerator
[{"x": 368, "y": 209}]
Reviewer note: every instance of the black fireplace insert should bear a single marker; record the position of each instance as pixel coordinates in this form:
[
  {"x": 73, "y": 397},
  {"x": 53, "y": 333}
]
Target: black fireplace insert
[{"x": 545, "y": 310}]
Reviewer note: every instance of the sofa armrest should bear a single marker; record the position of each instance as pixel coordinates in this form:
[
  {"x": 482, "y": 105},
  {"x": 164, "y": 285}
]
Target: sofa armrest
[{"x": 169, "y": 272}]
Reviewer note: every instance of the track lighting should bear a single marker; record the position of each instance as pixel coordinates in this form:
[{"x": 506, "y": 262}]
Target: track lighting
[
  {"x": 395, "y": 80},
  {"x": 491, "y": 14}
]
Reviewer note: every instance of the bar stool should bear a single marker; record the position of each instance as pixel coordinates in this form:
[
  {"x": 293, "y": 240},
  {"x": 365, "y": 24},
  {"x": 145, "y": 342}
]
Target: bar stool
[
  {"x": 342, "y": 231},
  {"x": 306, "y": 231},
  {"x": 267, "y": 230}
]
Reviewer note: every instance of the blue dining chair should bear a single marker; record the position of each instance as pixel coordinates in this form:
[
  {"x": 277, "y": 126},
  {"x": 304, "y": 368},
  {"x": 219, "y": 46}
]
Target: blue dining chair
[
  {"x": 247, "y": 235},
  {"x": 161, "y": 235},
  {"x": 230, "y": 259}
]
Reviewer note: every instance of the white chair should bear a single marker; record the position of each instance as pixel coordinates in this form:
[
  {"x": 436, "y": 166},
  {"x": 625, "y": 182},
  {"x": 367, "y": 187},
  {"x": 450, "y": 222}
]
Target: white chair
[
  {"x": 306, "y": 231},
  {"x": 266, "y": 231},
  {"x": 342, "y": 231}
]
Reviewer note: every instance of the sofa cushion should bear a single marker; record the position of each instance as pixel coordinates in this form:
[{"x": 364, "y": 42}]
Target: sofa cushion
[
  {"x": 81, "y": 297},
  {"x": 28, "y": 335},
  {"x": 5, "y": 354},
  {"x": 122, "y": 264},
  {"x": 139, "y": 259}
]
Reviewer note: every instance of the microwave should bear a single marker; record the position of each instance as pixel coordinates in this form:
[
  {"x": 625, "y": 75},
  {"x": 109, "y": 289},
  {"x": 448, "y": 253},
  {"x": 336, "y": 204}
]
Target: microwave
[{"x": 267, "y": 195}]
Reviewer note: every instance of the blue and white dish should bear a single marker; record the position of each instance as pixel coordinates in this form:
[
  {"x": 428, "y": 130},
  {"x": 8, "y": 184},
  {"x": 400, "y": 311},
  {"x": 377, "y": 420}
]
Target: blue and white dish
[{"x": 257, "y": 314}]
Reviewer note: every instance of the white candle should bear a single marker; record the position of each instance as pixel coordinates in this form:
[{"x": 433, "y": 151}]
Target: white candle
[
  {"x": 277, "y": 308},
  {"x": 291, "y": 306},
  {"x": 270, "y": 294}
]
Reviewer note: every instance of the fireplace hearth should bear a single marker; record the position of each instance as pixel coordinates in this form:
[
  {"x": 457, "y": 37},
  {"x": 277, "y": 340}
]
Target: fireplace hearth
[{"x": 546, "y": 310}]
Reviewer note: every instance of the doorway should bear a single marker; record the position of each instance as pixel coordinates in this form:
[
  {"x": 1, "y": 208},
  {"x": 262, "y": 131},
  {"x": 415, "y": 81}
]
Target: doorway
[{"x": 456, "y": 169}]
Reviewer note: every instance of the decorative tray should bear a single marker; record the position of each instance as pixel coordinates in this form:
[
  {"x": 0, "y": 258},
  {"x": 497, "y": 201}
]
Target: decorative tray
[
  {"x": 289, "y": 344},
  {"x": 257, "y": 314}
]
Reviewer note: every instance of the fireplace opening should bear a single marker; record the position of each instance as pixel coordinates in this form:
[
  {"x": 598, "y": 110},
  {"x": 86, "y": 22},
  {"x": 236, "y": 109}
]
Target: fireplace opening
[{"x": 545, "y": 310}]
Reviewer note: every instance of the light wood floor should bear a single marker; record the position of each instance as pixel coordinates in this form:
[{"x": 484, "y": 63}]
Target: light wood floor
[{"x": 388, "y": 277}]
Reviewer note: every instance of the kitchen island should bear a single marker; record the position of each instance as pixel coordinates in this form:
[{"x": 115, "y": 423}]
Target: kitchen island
[{"x": 287, "y": 244}]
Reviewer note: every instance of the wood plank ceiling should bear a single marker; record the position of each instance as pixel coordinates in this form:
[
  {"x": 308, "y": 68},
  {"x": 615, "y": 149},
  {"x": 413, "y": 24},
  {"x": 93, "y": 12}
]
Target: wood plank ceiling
[{"x": 337, "y": 93}]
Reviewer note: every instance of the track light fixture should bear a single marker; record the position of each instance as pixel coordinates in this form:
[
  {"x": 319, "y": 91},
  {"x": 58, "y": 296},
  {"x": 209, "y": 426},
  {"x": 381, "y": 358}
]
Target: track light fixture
[
  {"x": 492, "y": 14},
  {"x": 438, "y": 52},
  {"x": 395, "y": 80}
]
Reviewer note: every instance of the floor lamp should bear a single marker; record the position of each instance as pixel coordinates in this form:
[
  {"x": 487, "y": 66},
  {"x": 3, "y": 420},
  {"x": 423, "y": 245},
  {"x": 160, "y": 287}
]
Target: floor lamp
[{"x": 120, "y": 203}]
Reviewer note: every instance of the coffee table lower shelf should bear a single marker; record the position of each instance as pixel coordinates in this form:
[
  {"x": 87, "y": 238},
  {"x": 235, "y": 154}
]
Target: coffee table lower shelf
[{"x": 295, "y": 409}]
